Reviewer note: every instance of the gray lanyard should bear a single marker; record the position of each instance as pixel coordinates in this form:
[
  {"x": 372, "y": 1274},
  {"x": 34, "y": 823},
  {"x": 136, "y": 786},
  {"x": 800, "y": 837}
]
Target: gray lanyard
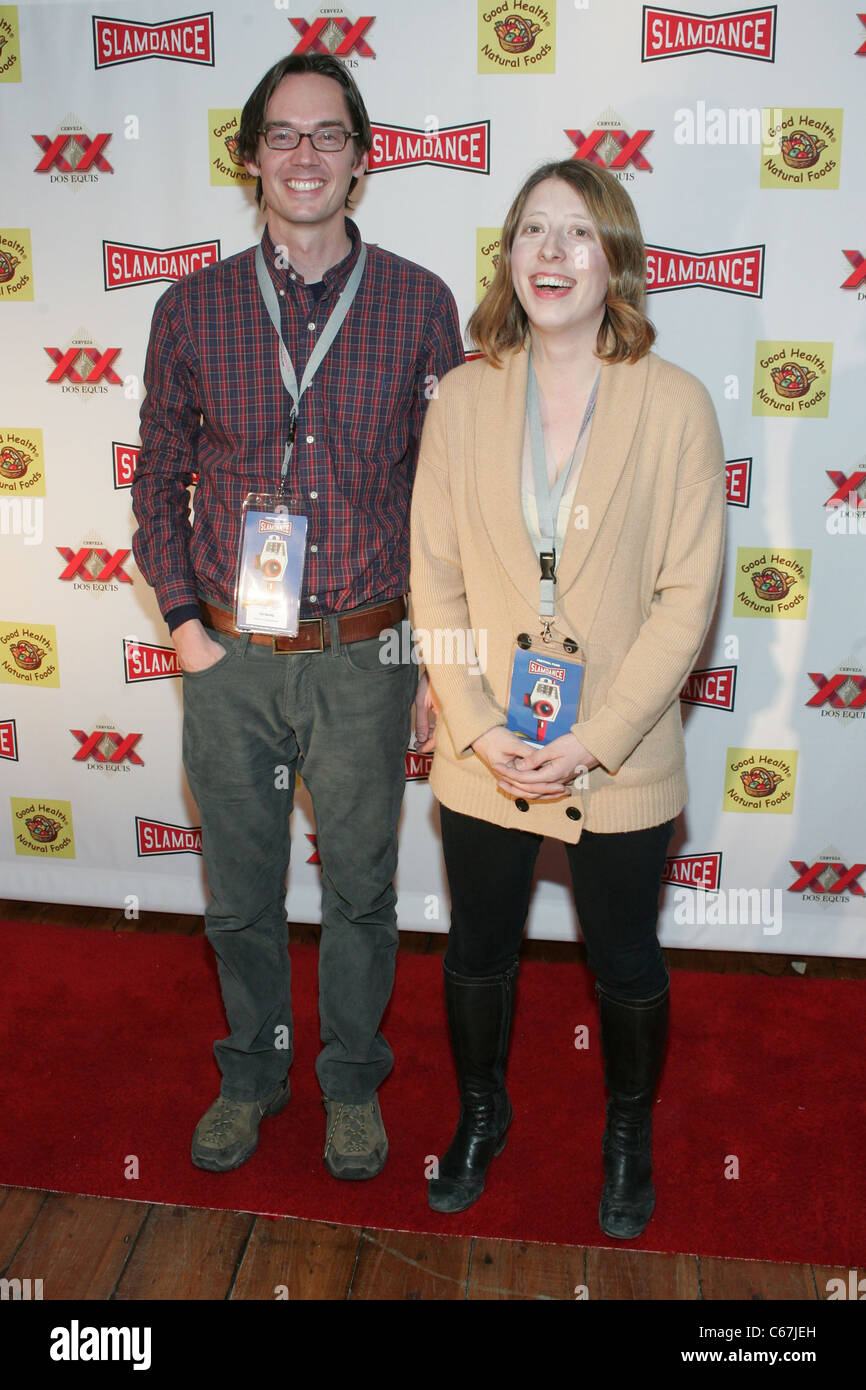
[
  {"x": 327, "y": 336},
  {"x": 547, "y": 499}
]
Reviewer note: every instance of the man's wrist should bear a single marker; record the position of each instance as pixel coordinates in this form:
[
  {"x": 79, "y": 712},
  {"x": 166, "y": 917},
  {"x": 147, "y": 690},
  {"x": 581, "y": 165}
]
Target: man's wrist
[{"x": 175, "y": 616}]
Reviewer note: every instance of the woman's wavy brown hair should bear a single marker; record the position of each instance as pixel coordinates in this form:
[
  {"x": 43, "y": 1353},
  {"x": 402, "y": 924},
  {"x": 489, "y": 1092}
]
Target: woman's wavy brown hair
[{"x": 626, "y": 334}]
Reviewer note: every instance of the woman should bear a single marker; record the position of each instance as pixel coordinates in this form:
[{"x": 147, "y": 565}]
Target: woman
[{"x": 569, "y": 511}]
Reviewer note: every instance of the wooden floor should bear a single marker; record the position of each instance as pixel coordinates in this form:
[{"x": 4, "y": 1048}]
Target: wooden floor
[{"x": 91, "y": 1248}]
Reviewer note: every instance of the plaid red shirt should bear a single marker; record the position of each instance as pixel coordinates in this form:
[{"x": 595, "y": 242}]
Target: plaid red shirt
[{"x": 216, "y": 406}]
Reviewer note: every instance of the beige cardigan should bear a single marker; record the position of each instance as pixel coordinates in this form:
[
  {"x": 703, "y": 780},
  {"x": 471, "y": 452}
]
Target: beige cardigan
[{"x": 636, "y": 583}]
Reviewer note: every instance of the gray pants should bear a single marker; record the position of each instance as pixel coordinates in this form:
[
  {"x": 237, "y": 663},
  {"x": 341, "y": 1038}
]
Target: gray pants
[{"x": 342, "y": 719}]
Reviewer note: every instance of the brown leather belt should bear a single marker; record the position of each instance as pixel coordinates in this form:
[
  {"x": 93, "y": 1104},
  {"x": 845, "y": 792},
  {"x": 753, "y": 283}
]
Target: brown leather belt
[{"x": 314, "y": 634}]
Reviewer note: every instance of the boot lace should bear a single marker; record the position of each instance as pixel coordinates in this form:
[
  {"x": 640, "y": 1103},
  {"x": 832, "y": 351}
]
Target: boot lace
[
  {"x": 222, "y": 1124},
  {"x": 351, "y": 1122}
]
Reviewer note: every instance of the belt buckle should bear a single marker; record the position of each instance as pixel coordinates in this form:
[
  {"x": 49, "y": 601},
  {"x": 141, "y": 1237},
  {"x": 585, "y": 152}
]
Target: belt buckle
[{"x": 305, "y": 622}]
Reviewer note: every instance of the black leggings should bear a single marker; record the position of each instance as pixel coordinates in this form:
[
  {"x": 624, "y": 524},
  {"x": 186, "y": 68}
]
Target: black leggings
[{"x": 616, "y": 881}]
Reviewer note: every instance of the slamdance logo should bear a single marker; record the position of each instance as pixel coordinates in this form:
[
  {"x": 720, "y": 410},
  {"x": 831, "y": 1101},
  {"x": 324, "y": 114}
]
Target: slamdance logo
[
  {"x": 738, "y": 482},
  {"x": 124, "y": 457},
  {"x": 161, "y": 837},
  {"x": 741, "y": 33},
  {"x": 702, "y": 871},
  {"x": 714, "y": 687},
  {"x": 8, "y": 740},
  {"x": 418, "y": 765},
  {"x": 452, "y": 147},
  {"x": 125, "y": 265},
  {"x": 144, "y": 661},
  {"x": 187, "y": 40},
  {"x": 740, "y": 271}
]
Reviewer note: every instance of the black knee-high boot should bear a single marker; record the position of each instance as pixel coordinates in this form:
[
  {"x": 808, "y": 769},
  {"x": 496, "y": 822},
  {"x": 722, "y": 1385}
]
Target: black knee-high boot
[
  {"x": 479, "y": 1020},
  {"x": 633, "y": 1034}
]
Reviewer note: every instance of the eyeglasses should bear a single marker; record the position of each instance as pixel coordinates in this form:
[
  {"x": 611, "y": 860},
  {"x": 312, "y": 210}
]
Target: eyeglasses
[{"x": 329, "y": 139}]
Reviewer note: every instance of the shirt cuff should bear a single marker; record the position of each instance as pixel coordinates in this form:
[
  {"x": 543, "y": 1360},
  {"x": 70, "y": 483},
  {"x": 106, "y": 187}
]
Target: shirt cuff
[{"x": 175, "y": 616}]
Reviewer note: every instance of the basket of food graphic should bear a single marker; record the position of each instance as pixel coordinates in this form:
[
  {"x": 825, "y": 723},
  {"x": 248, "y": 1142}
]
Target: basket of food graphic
[
  {"x": 759, "y": 781},
  {"x": 13, "y": 464},
  {"x": 231, "y": 143},
  {"x": 792, "y": 380},
  {"x": 27, "y": 656},
  {"x": 800, "y": 150},
  {"x": 8, "y": 264},
  {"x": 516, "y": 35},
  {"x": 43, "y": 829},
  {"x": 771, "y": 584}
]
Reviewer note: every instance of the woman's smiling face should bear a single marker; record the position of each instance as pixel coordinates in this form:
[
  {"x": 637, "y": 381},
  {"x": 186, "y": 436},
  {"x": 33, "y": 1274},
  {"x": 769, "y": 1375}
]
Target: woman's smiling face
[{"x": 558, "y": 266}]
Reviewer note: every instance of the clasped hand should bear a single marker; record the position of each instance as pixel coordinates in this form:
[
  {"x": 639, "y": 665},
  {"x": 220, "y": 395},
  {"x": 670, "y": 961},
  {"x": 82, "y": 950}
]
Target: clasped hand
[{"x": 538, "y": 774}]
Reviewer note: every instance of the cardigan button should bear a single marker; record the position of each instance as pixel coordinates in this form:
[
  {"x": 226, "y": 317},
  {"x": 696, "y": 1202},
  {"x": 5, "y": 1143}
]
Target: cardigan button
[
  {"x": 524, "y": 641},
  {"x": 573, "y": 813},
  {"x": 570, "y": 645},
  {"x": 521, "y": 804}
]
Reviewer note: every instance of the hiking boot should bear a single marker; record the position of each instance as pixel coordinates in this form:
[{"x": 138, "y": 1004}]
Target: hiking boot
[
  {"x": 228, "y": 1134},
  {"x": 356, "y": 1144}
]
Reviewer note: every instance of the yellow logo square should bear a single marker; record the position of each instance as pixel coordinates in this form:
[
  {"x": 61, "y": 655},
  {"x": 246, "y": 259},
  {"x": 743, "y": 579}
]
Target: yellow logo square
[
  {"x": 516, "y": 36},
  {"x": 760, "y": 781}
]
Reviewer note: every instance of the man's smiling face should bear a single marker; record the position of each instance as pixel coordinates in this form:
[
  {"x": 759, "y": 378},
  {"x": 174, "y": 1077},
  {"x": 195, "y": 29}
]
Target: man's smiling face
[{"x": 306, "y": 187}]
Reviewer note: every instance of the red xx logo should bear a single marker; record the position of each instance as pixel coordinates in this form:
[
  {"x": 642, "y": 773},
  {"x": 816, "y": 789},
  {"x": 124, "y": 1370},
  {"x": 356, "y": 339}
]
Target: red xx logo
[
  {"x": 101, "y": 364},
  {"x": 845, "y": 487},
  {"x": 629, "y": 147},
  {"x": 104, "y": 567},
  {"x": 859, "y": 263},
  {"x": 90, "y": 153},
  {"x": 813, "y": 878},
  {"x": 828, "y": 690},
  {"x": 862, "y": 19},
  {"x": 311, "y": 36},
  {"x": 106, "y": 746}
]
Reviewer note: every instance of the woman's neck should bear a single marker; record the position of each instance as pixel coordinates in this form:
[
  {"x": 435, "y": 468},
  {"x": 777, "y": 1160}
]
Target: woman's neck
[{"x": 564, "y": 363}]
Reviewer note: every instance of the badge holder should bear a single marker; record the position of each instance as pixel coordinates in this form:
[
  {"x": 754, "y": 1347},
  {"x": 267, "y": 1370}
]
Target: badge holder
[
  {"x": 270, "y": 565},
  {"x": 544, "y": 692}
]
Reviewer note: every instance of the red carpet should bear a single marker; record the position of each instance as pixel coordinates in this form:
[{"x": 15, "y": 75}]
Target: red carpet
[{"x": 106, "y": 1053}]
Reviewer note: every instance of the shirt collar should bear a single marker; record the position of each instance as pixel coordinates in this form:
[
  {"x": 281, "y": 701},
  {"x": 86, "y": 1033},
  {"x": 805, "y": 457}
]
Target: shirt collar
[{"x": 281, "y": 274}]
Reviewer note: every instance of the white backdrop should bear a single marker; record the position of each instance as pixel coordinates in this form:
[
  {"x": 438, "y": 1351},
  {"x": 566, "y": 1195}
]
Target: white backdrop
[{"x": 111, "y": 142}]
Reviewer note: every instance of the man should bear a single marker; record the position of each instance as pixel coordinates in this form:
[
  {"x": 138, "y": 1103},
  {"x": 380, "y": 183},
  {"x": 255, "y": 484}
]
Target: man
[{"x": 222, "y": 402}]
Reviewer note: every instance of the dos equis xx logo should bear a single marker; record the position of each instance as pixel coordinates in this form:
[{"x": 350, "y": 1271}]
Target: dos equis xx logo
[
  {"x": 611, "y": 146},
  {"x": 72, "y": 154}
]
